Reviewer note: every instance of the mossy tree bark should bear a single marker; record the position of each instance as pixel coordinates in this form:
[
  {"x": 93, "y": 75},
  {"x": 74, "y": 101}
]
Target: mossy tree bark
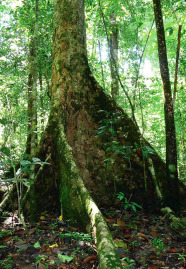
[{"x": 82, "y": 106}]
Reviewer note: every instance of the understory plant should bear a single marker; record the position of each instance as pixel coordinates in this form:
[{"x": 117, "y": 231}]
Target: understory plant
[
  {"x": 158, "y": 245},
  {"x": 128, "y": 263},
  {"x": 127, "y": 204}
]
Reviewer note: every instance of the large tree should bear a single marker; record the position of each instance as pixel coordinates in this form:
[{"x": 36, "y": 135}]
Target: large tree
[
  {"x": 93, "y": 147},
  {"x": 107, "y": 147}
]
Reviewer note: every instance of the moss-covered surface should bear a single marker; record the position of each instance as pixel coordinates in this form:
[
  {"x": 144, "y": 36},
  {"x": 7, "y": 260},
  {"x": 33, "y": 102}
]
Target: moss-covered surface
[{"x": 78, "y": 205}]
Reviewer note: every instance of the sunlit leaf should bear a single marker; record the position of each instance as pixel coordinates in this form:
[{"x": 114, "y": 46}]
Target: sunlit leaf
[
  {"x": 65, "y": 258},
  {"x": 37, "y": 245}
]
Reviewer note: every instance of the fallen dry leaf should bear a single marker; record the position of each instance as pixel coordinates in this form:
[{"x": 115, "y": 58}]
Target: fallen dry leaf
[
  {"x": 109, "y": 220},
  {"x": 32, "y": 231},
  {"x": 172, "y": 250},
  {"x": 86, "y": 260},
  {"x": 120, "y": 222},
  {"x": 153, "y": 231},
  {"x": 29, "y": 266},
  {"x": 46, "y": 248},
  {"x": 15, "y": 255},
  {"x": 55, "y": 250},
  {"x": 120, "y": 243},
  {"x": 142, "y": 236},
  {"x": 126, "y": 236},
  {"x": 8, "y": 238},
  {"x": 41, "y": 266}
]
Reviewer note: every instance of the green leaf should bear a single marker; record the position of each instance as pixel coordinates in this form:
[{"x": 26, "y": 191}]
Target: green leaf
[
  {"x": 137, "y": 205},
  {"x": 26, "y": 182},
  {"x": 25, "y": 163},
  {"x": 4, "y": 121},
  {"x": 133, "y": 207},
  {"x": 2, "y": 246},
  {"x": 9, "y": 179},
  {"x": 120, "y": 195},
  {"x": 6, "y": 151},
  {"x": 107, "y": 162},
  {"x": 171, "y": 31},
  {"x": 65, "y": 258},
  {"x": 37, "y": 245},
  {"x": 36, "y": 160}
]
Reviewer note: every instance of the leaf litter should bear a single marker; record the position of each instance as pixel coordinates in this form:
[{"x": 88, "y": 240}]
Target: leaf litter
[{"x": 142, "y": 240}]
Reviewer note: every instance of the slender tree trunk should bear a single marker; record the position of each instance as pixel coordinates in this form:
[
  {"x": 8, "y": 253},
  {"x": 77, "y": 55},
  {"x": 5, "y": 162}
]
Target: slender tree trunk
[
  {"x": 100, "y": 58},
  {"x": 32, "y": 109},
  {"x": 113, "y": 42},
  {"x": 32, "y": 89},
  {"x": 171, "y": 151},
  {"x": 41, "y": 99}
]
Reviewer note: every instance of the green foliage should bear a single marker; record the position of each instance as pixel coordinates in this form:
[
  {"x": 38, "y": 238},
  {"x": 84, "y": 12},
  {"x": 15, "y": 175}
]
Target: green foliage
[
  {"x": 158, "y": 244},
  {"x": 126, "y": 203},
  {"x": 134, "y": 25},
  {"x": 5, "y": 232},
  {"x": 37, "y": 245},
  {"x": 77, "y": 236},
  {"x": 7, "y": 263},
  {"x": 65, "y": 258},
  {"x": 181, "y": 257},
  {"x": 16, "y": 29},
  {"x": 108, "y": 129},
  {"x": 128, "y": 263}
]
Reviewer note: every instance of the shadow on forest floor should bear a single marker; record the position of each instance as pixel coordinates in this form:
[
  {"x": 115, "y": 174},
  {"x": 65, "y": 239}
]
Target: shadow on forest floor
[{"x": 142, "y": 240}]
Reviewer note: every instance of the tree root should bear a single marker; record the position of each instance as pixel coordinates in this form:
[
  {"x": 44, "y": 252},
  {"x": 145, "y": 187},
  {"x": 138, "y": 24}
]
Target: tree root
[
  {"x": 74, "y": 192},
  {"x": 7, "y": 200},
  {"x": 178, "y": 223}
]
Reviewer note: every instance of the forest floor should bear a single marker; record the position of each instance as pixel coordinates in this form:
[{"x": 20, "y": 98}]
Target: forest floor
[{"x": 142, "y": 240}]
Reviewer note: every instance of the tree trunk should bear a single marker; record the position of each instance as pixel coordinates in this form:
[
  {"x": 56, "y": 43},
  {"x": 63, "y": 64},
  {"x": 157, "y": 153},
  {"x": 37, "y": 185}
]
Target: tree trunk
[
  {"x": 171, "y": 150},
  {"x": 32, "y": 111},
  {"x": 107, "y": 160},
  {"x": 107, "y": 163}
]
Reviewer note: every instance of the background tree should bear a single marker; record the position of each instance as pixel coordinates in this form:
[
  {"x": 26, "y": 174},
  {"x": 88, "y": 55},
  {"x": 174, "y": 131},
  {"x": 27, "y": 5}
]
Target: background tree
[
  {"x": 171, "y": 150},
  {"x": 113, "y": 42}
]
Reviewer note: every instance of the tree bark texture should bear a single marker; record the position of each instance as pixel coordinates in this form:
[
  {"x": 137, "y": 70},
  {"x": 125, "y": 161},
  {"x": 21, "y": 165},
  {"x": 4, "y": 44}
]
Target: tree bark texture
[
  {"x": 32, "y": 110},
  {"x": 171, "y": 150},
  {"x": 32, "y": 88},
  {"x": 71, "y": 193},
  {"x": 82, "y": 107}
]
